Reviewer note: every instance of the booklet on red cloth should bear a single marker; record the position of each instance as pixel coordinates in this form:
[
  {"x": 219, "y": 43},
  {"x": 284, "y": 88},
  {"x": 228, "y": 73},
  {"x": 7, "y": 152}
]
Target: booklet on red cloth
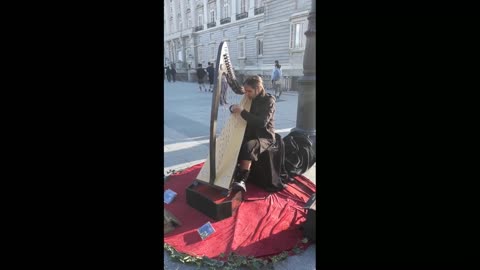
[
  {"x": 168, "y": 196},
  {"x": 206, "y": 230}
]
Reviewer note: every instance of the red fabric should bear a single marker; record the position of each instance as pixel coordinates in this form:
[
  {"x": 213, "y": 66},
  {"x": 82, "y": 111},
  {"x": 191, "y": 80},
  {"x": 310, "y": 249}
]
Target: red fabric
[{"x": 265, "y": 224}]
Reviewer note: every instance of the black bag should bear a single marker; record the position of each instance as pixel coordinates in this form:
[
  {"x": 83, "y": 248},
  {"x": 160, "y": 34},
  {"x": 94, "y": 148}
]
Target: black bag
[
  {"x": 299, "y": 153},
  {"x": 309, "y": 226}
]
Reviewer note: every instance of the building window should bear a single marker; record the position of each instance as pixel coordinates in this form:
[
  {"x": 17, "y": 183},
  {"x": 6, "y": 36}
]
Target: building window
[
  {"x": 241, "y": 48},
  {"x": 212, "y": 15},
  {"x": 226, "y": 10},
  {"x": 259, "y": 47},
  {"x": 200, "y": 20},
  {"x": 211, "y": 36},
  {"x": 259, "y": 3},
  {"x": 297, "y": 37},
  {"x": 189, "y": 21},
  {"x": 212, "y": 53},
  {"x": 171, "y": 54},
  {"x": 241, "y": 29},
  {"x": 200, "y": 54},
  {"x": 260, "y": 25},
  {"x": 243, "y": 6},
  {"x": 179, "y": 22}
]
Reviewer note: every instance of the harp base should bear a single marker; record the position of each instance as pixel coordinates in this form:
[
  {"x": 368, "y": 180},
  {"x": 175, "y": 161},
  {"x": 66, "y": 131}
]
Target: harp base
[{"x": 211, "y": 201}]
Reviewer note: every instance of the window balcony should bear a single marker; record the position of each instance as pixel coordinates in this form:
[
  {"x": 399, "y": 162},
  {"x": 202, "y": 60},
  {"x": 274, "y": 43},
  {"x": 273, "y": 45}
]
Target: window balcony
[
  {"x": 225, "y": 20},
  {"x": 242, "y": 15},
  {"x": 259, "y": 10},
  {"x": 211, "y": 24},
  {"x": 199, "y": 28}
]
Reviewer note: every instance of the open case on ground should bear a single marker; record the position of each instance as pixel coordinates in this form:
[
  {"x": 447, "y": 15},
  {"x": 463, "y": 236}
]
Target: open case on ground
[{"x": 212, "y": 201}]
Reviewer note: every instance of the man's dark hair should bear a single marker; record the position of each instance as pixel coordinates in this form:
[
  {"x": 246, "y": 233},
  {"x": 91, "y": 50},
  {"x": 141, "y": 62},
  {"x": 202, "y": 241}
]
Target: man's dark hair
[
  {"x": 256, "y": 83},
  {"x": 199, "y": 65}
]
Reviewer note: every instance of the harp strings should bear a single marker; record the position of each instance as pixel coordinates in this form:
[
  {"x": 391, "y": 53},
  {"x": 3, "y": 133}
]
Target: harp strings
[{"x": 227, "y": 98}]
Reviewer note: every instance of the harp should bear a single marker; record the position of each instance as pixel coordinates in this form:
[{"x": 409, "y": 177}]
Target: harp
[{"x": 211, "y": 192}]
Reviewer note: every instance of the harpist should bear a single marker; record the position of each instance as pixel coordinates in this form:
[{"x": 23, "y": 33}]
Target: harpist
[{"x": 260, "y": 130}]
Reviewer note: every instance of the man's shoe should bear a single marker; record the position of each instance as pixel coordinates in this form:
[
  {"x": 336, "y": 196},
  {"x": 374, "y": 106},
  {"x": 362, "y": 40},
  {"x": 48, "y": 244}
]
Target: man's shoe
[
  {"x": 240, "y": 179},
  {"x": 239, "y": 186}
]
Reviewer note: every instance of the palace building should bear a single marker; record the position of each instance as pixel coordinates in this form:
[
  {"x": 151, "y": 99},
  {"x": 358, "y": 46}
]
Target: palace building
[{"x": 257, "y": 33}]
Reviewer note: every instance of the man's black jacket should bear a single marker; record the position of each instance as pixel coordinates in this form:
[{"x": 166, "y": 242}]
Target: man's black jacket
[{"x": 260, "y": 119}]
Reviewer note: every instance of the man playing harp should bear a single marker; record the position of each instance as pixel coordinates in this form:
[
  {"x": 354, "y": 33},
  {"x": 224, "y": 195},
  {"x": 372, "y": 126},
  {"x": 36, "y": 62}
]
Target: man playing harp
[{"x": 260, "y": 129}]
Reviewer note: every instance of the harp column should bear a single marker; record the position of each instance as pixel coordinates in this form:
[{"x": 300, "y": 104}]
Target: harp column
[{"x": 306, "y": 97}]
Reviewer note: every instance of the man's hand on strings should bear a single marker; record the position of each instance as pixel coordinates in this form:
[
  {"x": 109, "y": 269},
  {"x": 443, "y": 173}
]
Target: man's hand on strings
[{"x": 235, "y": 108}]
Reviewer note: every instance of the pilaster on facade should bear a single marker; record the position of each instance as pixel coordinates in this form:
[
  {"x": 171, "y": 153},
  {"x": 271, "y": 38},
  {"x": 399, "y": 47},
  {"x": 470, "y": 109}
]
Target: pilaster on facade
[
  {"x": 218, "y": 15},
  {"x": 251, "y": 8},
  {"x": 175, "y": 17},
  {"x": 193, "y": 14},
  {"x": 205, "y": 14},
  {"x": 167, "y": 17},
  {"x": 233, "y": 12}
]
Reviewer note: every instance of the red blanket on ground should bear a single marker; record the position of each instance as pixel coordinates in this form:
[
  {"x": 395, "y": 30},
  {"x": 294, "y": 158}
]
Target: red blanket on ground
[{"x": 265, "y": 224}]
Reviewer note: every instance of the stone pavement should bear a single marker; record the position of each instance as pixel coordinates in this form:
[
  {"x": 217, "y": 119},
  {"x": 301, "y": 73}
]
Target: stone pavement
[{"x": 186, "y": 138}]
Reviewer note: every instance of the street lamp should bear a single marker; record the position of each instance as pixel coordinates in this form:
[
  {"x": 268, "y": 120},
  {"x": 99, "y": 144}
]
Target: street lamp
[{"x": 306, "y": 96}]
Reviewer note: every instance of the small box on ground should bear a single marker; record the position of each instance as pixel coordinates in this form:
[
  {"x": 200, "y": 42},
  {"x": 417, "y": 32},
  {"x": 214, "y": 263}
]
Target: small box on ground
[{"x": 211, "y": 201}]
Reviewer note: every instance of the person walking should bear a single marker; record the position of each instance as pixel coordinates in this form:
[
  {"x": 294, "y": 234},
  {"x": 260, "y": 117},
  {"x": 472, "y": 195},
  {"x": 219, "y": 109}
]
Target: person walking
[
  {"x": 276, "y": 75},
  {"x": 211, "y": 72},
  {"x": 169, "y": 74},
  {"x": 201, "y": 75},
  {"x": 174, "y": 72}
]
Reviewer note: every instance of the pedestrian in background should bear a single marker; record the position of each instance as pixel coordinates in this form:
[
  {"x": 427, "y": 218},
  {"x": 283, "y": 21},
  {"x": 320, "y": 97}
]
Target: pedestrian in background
[
  {"x": 276, "y": 75},
  {"x": 174, "y": 72},
  {"x": 223, "y": 90},
  {"x": 169, "y": 74},
  {"x": 201, "y": 76},
  {"x": 211, "y": 72}
]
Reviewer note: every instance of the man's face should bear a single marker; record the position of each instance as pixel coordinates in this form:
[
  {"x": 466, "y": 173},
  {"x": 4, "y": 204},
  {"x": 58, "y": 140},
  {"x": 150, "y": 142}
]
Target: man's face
[{"x": 250, "y": 92}]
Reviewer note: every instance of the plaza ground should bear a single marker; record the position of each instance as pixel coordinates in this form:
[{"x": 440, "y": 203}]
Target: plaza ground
[{"x": 186, "y": 139}]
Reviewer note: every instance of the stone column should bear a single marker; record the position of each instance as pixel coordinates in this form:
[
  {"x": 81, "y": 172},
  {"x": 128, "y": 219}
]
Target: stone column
[
  {"x": 233, "y": 10},
  {"x": 183, "y": 14},
  {"x": 174, "y": 28},
  {"x": 251, "y": 8},
  {"x": 306, "y": 97},
  {"x": 217, "y": 19},
  {"x": 205, "y": 13},
  {"x": 167, "y": 17},
  {"x": 193, "y": 13}
]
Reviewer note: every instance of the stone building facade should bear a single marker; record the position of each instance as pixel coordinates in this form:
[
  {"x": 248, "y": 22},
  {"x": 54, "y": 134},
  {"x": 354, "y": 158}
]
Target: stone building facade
[{"x": 257, "y": 32}]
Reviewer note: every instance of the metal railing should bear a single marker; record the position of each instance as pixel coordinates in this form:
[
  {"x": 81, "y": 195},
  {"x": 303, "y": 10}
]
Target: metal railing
[
  {"x": 242, "y": 15},
  {"x": 286, "y": 83},
  {"x": 211, "y": 24},
  {"x": 225, "y": 20},
  {"x": 198, "y": 28},
  {"x": 259, "y": 10}
]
